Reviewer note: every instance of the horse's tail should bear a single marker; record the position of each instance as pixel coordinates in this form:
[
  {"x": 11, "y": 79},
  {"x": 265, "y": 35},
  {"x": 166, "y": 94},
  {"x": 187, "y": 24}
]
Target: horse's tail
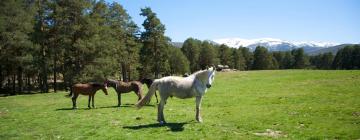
[
  {"x": 148, "y": 96},
  {"x": 138, "y": 86},
  {"x": 141, "y": 91},
  {"x": 70, "y": 94}
]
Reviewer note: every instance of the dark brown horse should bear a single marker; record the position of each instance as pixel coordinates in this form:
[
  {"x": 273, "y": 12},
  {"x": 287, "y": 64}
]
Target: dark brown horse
[
  {"x": 125, "y": 87},
  {"x": 148, "y": 83},
  {"x": 86, "y": 89}
]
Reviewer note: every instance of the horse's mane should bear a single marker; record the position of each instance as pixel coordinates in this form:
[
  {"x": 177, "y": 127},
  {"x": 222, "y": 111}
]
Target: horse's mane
[
  {"x": 146, "y": 80},
  {"x": 96, "y": 84},
  {"x": 197, "y": 73},
  {"x": 111, "y": 80}
]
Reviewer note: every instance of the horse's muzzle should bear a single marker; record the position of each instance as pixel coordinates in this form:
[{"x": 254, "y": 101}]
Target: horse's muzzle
[{"x": 208, "y": 85}]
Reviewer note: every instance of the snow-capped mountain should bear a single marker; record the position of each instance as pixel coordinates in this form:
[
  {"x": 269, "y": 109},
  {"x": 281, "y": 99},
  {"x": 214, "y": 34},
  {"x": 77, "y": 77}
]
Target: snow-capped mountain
[{"x": 274, "y": 44}]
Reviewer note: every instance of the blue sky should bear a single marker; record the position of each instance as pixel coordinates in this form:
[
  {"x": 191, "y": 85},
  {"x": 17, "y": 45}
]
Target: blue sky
[{"x": 294, "y": 20}]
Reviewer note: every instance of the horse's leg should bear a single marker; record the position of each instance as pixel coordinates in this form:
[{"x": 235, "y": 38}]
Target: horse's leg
[
  {"x": 161, "y": 118},
  {"x": 198, "y": 106},
  {"x": 93, "y": 100},
  {"x": 74, "y": 100},
  {"x": 163, "y": 98},
  {"x": 119, "y": 99},
  {"x": 89, "y": 101},
  {"x": 157, "y": 101}
]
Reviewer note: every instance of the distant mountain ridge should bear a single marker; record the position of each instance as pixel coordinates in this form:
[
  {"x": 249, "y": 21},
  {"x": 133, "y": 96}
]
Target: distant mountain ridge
[
  {"x": 274, "y": 44},
  {"x": 310, "y": 47},
  {"x": 333, "y": 49}
]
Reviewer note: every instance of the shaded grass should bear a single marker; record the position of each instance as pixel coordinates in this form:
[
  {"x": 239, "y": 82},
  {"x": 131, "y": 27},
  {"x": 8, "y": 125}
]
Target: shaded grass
[{"x": 302, "y": 104}]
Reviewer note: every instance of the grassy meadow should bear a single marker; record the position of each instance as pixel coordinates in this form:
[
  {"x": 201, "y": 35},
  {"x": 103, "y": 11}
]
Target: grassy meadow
[{"x": 282, "y": 104}]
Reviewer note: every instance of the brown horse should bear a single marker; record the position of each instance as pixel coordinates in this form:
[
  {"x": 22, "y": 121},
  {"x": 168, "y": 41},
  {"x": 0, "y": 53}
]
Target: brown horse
[
  {"x": 86, "y": 89},
  {"x": 125, "y": 87}
]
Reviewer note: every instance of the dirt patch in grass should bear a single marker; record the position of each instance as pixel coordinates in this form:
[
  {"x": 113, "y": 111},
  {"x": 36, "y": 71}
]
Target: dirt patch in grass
[{"x": 271, "y": 133}]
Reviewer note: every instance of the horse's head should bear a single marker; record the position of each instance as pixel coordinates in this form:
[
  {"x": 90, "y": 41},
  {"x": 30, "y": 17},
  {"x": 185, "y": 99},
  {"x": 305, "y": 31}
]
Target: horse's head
[
  {"x": 207, "y": 76},
  {"x": 210, "y": 77},
  {"x": 105, "y": 87}
]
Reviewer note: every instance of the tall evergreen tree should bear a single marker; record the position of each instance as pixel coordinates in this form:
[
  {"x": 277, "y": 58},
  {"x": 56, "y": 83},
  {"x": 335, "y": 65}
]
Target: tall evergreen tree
[
  {"x": 191, "y": 49},
  {"x": 238, "y": 59},
  {"x": 207, "y": 56},
  {"x": 154, "y": 53},
  {"x": 326, "y": 60},
  {"x": 124, "y": 31},
  {"x": 300, "y": 60},
  {"x": 347, "y": 58},
  {"x": 249, "y": 57},
  {"x": 41, "y": 37},
  {"x": 288, "y": 60},
  {"x": 224, "y": 53},
  {"x": 262, "y": 59},
  {"x": 72, "y": 24},
  {"x": 179, "y": 64},
  {"x": 356, "y": 57},
  {"x": 279, "y": 56},
  {"x": 15, "y": 27}
]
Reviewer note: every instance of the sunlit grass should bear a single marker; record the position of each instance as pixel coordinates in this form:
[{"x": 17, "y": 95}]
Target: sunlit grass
[{"x": 302, "y": 104}]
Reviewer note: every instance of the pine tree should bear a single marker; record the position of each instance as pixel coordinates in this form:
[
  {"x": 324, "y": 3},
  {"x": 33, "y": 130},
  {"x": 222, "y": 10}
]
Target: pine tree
[
  {"x": 356, "y": 57},
  {"x": 300, "y": 60},
  {"x": 238, "y": 59},
  {"x": 154, "y": 53},
  {"x": 347, "y": 58},
  {"x": 207, "y": 56},
  {"x": 125, "y": 31},
  {"x": 249, "y": 57},
  {"x": 191, "y": 49},
  {"x": 279, "y": 56},
  {"x": 288, "y": 60},
  {"x": 262, "y": 60},
  {"x": 326, "y": 60},
  {"x": 178, "y": 61},
  {"x": 224, "y": 53},
  {"x": 15, "y": 44}
]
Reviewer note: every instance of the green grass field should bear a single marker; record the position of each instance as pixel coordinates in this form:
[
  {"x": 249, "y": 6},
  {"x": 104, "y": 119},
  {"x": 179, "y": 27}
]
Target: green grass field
[{"x": 289, "y": 104}]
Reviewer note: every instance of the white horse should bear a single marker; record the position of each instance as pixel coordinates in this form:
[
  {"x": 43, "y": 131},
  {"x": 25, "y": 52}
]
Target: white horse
[{"x": 194, "y": 85}]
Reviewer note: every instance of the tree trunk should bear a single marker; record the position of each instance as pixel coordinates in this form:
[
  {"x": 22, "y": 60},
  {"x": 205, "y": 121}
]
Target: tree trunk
[
  {"x": 8, "y": 84},
  {"x": 123, "y": 72},
  {"x": 156, "y": 60},
  {"x": 2, "y": 77},
  {"x": 129, "y": 73},
  {"x": 54, "y": 70},
  {"x": 19, "y": 79},
  {"x": 45, "y": 85},
  {"x": 13, "y": 85},
  {"x": 28, "y": 84},
  {"x": 39, "y": 80}
]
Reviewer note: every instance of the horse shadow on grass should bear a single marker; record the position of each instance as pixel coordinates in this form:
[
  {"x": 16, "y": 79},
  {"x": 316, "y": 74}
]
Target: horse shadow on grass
[
  {"x": 174, "y": 127},
  {"x": 114, "y": 106},
  {"x": 70, "y": 108}
]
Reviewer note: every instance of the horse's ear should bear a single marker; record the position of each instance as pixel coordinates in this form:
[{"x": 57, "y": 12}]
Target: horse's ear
[{"x": 211, "y": 68}]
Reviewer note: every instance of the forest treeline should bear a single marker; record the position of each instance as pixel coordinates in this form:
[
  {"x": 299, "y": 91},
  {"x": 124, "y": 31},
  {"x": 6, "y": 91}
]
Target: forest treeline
[{"x": 52, "y": 44}]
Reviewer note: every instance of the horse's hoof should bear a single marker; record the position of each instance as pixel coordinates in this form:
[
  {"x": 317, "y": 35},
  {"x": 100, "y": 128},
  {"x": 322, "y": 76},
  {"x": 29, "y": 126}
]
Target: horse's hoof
[
  {"x": 199, "y": 120},
  {"x": 162, "y": 122},
  {"x": 75, "y": 108}
]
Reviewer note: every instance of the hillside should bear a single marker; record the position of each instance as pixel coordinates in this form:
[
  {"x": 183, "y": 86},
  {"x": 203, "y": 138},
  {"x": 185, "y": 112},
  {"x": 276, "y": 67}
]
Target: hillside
[{"x": 333, "y": 50}]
